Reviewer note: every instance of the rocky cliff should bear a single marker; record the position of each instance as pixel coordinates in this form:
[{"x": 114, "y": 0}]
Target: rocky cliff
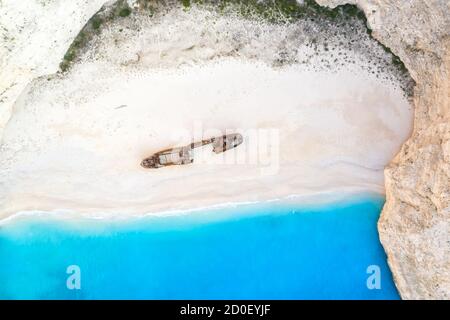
[
  {"x": 34, "y": 36},
  {"x": 415, "y": 222}
]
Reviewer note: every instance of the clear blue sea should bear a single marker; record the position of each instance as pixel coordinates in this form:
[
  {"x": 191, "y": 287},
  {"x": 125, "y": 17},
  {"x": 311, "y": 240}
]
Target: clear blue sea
[{"x": 264, "y": 251}]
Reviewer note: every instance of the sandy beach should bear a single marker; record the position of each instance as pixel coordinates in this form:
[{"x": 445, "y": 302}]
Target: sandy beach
[
  {"x": 303, "y": 133},
  {"x": 75, "y": 141}
]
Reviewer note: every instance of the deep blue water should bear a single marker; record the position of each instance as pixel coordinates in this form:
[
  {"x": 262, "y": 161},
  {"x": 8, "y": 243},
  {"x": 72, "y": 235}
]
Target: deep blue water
[{"x": 264, "y": 251}]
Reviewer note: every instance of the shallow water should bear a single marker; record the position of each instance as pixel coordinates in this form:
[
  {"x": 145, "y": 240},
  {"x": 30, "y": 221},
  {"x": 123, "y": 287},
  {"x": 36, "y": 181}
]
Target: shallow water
[{"x": 265, "y": 251}]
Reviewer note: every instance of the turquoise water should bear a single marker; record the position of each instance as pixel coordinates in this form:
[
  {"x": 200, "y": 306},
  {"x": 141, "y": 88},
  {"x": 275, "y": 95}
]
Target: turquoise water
[{"x": 265, "y": 251}]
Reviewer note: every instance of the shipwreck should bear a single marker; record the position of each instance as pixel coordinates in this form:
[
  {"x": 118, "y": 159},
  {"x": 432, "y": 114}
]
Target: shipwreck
[{"x": 183, "y": 155}]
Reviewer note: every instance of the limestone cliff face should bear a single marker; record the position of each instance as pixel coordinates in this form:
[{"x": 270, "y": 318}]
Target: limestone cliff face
[
  {"x": 34, "y": 36},
  {"x": 415, "y": 223}
]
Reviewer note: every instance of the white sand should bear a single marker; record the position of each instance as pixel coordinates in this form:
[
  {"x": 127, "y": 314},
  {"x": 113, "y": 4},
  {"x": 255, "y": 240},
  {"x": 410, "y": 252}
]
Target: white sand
[
  {"x": 74, "y": 143},
  {"x": 334, "y": 131}
]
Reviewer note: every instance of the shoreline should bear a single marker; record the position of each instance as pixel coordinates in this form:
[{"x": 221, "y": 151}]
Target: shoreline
[
  {"x": 313, "y": 200},
  {"x": 218, "y": 244}
]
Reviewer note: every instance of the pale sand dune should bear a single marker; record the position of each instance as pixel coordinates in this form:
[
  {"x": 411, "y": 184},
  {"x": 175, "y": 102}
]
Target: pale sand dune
[{"x": 79, "y": 148}]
